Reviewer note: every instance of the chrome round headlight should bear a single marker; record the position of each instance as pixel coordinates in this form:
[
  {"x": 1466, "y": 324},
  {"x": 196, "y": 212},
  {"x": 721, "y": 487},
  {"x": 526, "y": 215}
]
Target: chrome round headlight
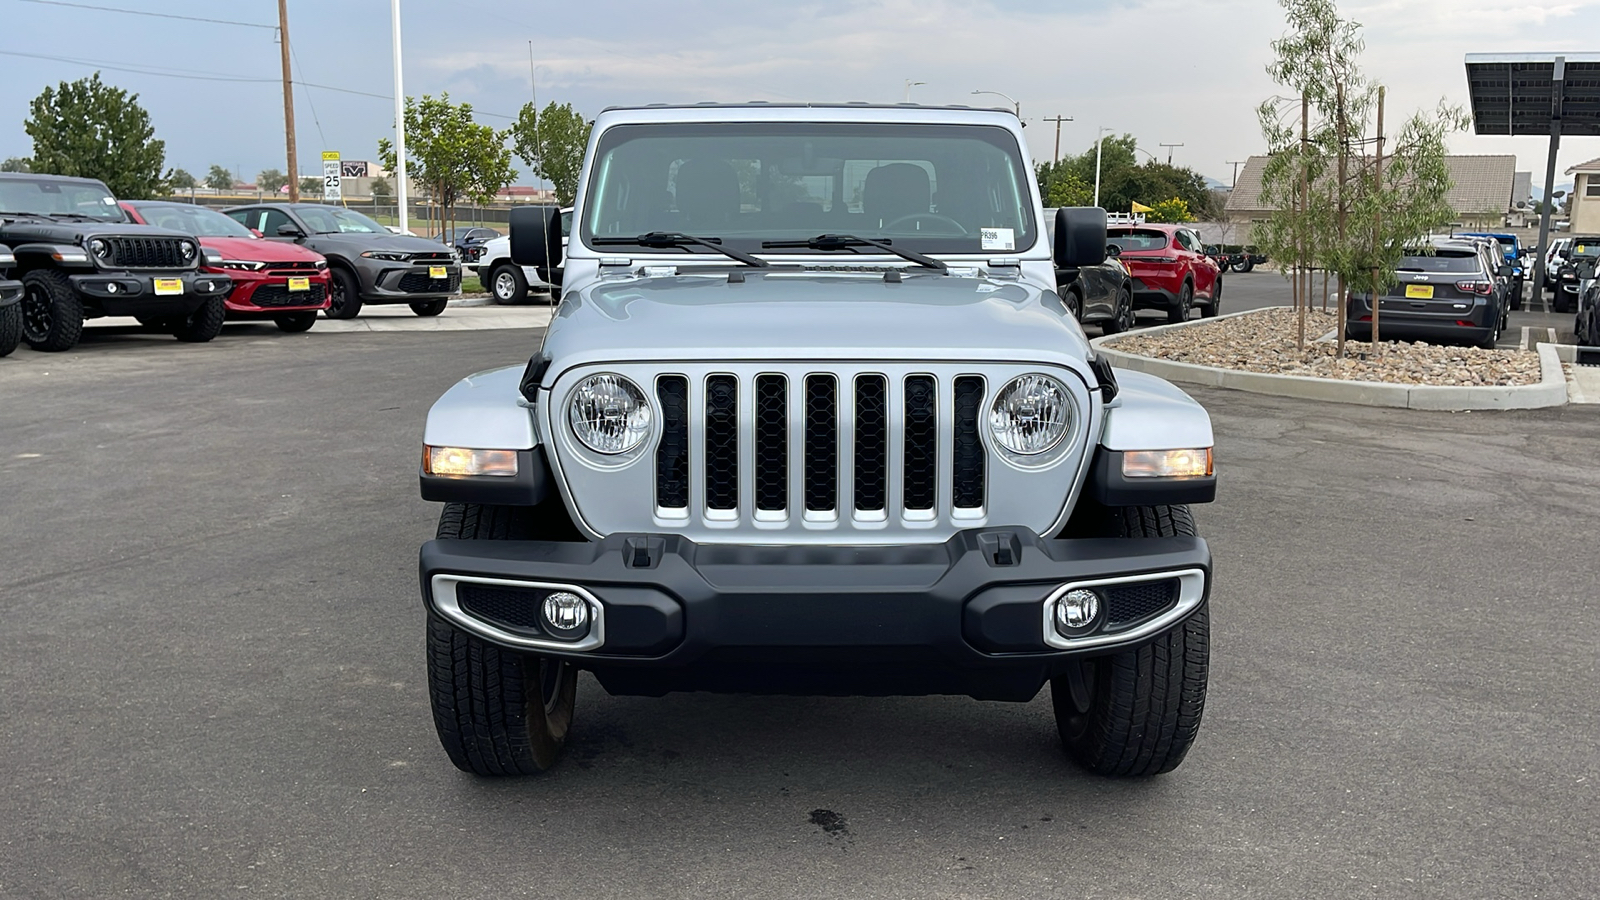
[
  {"x": 609, "y": 414},
  {"x": 187, "y": 249},
  {"x": 1031, "y": 415},
  {"x": 100, "y": 248}
]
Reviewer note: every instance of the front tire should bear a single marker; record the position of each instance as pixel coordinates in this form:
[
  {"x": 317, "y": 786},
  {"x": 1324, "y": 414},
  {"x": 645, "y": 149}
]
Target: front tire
[
  {"x": 429, "y": 308},
  {"x": 295, "y": 322},
  {"x": 1122, "y": 319},
  {"x": 1245, "y": 266},
  {"x": 507, "y": 285},
  {"x": 52, "y": 314},
  {"x": 497, "y": 711},
  {"x": 10, "y": 328},
  {"x": 203, "y": 324},
  {"x": 344, "y": 295},
  {"x": 1136, "y": 713}
]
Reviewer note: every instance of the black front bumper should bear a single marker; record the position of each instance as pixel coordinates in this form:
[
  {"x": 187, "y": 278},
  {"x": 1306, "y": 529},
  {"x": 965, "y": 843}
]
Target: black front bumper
[
  {"x": 10, "y": 292},
  {"x": 962, "y": 617},
  {"x": 134, "y": 294}
]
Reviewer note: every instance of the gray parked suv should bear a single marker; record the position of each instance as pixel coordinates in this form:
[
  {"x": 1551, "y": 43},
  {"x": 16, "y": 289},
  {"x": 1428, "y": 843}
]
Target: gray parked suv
[
  {"x": 367, "y": 262},
  {"x": 813, "y": 418}
]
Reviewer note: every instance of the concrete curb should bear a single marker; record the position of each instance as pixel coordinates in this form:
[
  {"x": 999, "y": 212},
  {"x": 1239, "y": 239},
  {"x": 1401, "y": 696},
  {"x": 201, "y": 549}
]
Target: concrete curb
[{"x": 1550, "y": 391}]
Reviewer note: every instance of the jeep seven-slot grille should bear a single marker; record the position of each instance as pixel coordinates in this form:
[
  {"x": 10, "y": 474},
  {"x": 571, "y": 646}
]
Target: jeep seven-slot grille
[
  {"x": 148, "y": 253},
  {"x": 820, "y": 444}
]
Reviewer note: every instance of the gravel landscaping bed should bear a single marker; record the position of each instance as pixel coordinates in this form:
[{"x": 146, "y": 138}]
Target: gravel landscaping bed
[{"x": 1264, "y": 341}]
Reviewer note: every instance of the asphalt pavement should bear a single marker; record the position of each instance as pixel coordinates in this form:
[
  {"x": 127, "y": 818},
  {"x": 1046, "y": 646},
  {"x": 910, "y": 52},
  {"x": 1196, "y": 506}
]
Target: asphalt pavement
[{"x": 212, "y": 655}]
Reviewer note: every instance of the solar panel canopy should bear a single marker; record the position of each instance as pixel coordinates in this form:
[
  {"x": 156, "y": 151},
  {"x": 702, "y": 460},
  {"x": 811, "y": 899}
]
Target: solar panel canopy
[{"x": 1513, "y": 93}]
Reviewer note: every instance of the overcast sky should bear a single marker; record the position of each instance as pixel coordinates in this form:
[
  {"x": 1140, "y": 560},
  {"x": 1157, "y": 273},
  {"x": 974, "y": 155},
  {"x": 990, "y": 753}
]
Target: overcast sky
[{"x": 1164, "y": 71}]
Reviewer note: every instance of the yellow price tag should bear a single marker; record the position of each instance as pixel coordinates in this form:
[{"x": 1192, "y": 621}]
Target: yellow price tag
[
  {"x": 166, "y": 287},
  {"x": 438, "y": 272},
  {"x": 299, "y": 284}
]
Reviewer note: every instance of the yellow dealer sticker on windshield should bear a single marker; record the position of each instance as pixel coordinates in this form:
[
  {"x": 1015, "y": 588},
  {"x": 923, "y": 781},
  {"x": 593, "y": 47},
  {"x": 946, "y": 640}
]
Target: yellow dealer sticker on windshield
[
  {"x": 168, "y": 286},
  {"x": 300, "y": 284},
  {"x": 437, "y": 272}
]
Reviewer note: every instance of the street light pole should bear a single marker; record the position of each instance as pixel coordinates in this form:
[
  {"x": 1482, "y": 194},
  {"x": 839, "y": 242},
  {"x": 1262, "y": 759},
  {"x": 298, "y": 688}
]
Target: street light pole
[
  {"x": 399, "y": 118},
  {"x": 1236, "y": 163},
  {"x": 1098, "y": 142},
  {"x": 1015, "y": 106},
  {"x": 909, "y": 85},
  {"x": 1169, "y": 151}
]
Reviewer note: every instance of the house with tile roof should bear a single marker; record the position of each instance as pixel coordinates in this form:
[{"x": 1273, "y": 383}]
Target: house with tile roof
[
  {"x": 1482, "y": 194},
  {"x": 1585, "y": 214}
]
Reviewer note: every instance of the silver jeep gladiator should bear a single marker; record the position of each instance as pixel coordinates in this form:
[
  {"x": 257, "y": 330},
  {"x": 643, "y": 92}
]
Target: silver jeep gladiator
[{"x": 811, "y": 419}]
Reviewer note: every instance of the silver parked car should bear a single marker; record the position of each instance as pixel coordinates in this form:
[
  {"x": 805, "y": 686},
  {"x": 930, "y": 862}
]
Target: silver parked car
[{"x": 813, "y": 419}]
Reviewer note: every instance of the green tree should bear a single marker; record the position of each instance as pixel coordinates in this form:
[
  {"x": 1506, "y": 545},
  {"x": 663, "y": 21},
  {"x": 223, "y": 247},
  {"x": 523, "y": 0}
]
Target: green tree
[
  {"x": 16, "y": 164},
  {"x": 1347, "y": 198},
  {"x": 311, "y": 187},
  {"x": 92, "y": 130},
  {"x": 181, "y": 179},
  {"x": 271, "y": 180},
  {"x": 381, "y": 189},
  {"x": 1174, "y": 210},
  {"x": 1123, "y": 181},
  {"x": 552, "y": 144},
  {"x": 450, "y": 155},
  {"x": 1063, "y": 187},
  {"x": 219, "y": 179}
]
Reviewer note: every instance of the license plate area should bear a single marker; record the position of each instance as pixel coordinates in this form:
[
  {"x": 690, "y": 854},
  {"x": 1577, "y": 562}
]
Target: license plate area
[
  {"x": 1419, "y": 292},
  {"x": 168, "y": 287},
  {"x": 297, "y": 285},
  {"x": 438, "y": 272}
]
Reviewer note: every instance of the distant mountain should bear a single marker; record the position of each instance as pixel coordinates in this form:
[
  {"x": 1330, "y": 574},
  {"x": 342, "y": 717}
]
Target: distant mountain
[{"x": 1216, "y": 184}]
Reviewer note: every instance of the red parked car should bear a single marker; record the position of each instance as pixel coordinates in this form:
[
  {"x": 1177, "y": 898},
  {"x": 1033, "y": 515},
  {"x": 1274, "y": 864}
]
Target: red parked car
[
  {"x": 1170, "y": 269},
  {"x": 271, "y": 279}
]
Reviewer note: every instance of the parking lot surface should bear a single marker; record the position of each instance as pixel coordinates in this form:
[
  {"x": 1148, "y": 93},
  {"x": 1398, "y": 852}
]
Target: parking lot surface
[{"x": 214, "y": 687}]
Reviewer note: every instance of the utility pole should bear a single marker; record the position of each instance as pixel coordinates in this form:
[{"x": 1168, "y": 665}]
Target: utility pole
[
  {"x": 288, "y": 101},
  {"x": 1058, "y": 120},
  {"x": 1236, "y": 163},
  {"x": 1099, "y": 139},
  {"x": 1169, "y": 151}
]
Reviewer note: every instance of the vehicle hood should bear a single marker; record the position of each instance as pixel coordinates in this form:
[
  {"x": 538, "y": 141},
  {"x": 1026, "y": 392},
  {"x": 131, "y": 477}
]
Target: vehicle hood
[
  {"x": 398, "y": 242},
  {"x": 50, "y": 231},
  {"x": 259, "y": 250},
  {"x": 811, "y": 315}
]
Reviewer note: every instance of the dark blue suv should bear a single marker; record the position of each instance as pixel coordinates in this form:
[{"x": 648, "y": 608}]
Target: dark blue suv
[{"x": 1512, "y": 248}]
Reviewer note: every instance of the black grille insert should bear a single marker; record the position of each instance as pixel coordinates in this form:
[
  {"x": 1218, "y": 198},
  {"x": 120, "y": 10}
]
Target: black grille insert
[
  {"x": 148, "y": 253},
  {"x": 772, "y": 443},
  {"x": 922, "y": 442},
  {"x": 672, "y": 455},
  {"x": 822, "y": 443},
  {"x": 872, "y": 443},
  {"x": 967, "y": 457},
  {"x": 511, "y": 608},
  {"x": 722, "y": 442},
  {"x": 420, "y": 283},
  {"x": 280, "y": 295},
  {"x": 1129, "y": 604}
]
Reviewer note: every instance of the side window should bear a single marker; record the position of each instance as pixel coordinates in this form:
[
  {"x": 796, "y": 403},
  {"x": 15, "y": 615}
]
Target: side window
[
  {"x": 271, "y": 220},
  {"x": 249, "y": 218}
]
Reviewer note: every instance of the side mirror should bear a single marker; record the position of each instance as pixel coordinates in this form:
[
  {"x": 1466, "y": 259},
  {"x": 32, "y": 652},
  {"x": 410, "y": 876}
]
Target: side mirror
[
  {"x": 256, "y": 233},
  {"x": 1505, "y": 271},
  {"x": 1080, "y": 237},
  {"x": 1113, "y": 251},
  {"x": 290, "y": 231},
  {"x": 536, "y": 236}
]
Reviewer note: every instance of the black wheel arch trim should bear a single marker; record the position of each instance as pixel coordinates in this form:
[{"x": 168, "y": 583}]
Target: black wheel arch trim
[
  {"x": 531, "y": 485},
  {"x": 1109, "y": 487}
]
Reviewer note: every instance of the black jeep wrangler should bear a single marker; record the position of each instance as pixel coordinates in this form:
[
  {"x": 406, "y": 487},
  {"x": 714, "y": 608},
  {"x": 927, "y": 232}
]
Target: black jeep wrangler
[{"x": 79, "y": 258}]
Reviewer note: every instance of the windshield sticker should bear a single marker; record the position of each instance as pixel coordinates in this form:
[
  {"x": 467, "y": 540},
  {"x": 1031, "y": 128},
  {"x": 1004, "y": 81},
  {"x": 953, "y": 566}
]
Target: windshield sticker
[
  {"x": 109, "y": 201},
  {"x": 998, "y": 239}
]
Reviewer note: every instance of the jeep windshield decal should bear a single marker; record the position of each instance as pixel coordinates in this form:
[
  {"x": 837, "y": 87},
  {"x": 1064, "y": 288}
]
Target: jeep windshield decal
[
  {"x": 917, "y": 188},
  {"x": 42, "y": 197}
]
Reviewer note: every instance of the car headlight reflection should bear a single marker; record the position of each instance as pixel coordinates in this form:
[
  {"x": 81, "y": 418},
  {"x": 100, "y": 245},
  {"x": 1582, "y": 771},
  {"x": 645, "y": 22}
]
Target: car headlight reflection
[
  {"x": 609, "y": 414},
  {"x": 1031, "y": 415}
]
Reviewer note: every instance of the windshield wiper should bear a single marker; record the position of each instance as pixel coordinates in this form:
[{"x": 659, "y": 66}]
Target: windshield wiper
[
  {"x": 678, "y": 239},
  {"x": 850, "y": 242}
]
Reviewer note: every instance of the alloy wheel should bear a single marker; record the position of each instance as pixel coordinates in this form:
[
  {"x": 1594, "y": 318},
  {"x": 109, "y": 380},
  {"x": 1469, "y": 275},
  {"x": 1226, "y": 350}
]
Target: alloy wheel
[{"x": 37, "y": 317}]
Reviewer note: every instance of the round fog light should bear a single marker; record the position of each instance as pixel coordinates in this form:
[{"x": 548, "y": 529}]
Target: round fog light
[
  {"x": 112, "y": 287},
  {"x": 565, "y": 612},
  {"x": 1077, "y": 610}
]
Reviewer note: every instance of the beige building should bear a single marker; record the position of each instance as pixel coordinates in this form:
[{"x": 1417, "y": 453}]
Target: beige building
[
  {"x": 1482, "y": 195},
  {"x": 1585, "y": 215}
]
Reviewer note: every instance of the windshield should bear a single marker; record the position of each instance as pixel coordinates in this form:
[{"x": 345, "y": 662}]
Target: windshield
[
  {"x": 195, "y": 220},
  {"x": 1588, "y": 248},
  {"x": 1138, "y": 240},
  {"x": 1446, "y": 261},
  {"x": 335, "y": 220},
  {"x": 56, "y": 197},
  {"x": 927, "y": 188}
]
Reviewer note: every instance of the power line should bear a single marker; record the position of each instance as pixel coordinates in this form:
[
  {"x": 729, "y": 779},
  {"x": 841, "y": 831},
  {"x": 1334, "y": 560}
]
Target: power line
[{"x": 153, "y": 15}]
